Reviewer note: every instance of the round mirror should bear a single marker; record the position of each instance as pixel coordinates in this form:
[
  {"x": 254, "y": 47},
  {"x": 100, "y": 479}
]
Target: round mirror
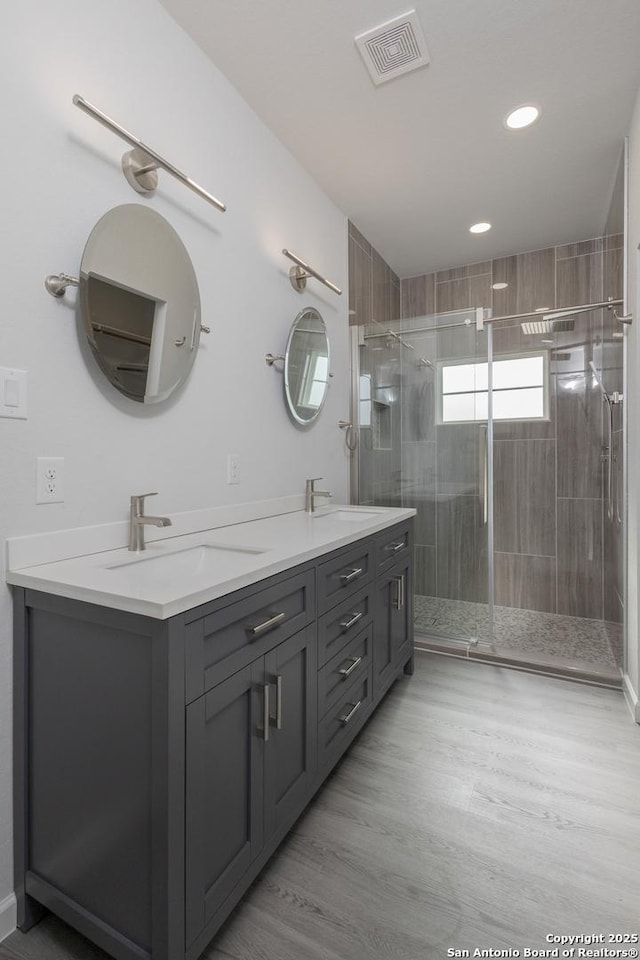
[
  {"x": 139, "y": 303},
  {"x": 306, "y": 366}
]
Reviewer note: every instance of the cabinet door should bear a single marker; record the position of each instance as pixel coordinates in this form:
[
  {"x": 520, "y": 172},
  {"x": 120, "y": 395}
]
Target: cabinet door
[
  {"x": 393, "y": 624},
  {"x": 290, "y": 752},
  {"x": 224, "y": 791},
  {"x": 402, "y": 642}
]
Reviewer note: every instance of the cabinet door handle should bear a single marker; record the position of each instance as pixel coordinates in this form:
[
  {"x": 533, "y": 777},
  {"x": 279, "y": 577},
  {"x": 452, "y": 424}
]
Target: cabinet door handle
[
  {"x": 400, "y": 592},
  {"x": 350, "y": 575},
  {"x": 347, "y": 671},
  {"x": 265, "y": 712},
  {"x": 394, "y": 547},
  {"x": 279, "y": 702},
  {"x": 349, "y": 716},
  {"x": 353, "y": 619},
  {"x": 267, "y": 624}
]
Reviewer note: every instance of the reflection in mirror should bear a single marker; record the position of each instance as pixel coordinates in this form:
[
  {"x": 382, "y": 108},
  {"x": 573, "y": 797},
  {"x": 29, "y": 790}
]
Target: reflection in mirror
[
  {"x": 139, "y": 303},
  {"x": 306, "y": 366}
]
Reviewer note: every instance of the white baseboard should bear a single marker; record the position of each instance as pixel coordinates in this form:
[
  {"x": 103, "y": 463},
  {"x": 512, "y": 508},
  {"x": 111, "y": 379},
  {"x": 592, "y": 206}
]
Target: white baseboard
[
  {"x": 8, "y": 915},
  {"x": 631, "y": 697}
]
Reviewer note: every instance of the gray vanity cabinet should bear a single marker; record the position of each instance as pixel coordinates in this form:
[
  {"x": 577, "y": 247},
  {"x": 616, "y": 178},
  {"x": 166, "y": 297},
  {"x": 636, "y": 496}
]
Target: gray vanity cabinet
[
  {"x": 250, "y": 763},
  {"x": 159, "y": 763}
]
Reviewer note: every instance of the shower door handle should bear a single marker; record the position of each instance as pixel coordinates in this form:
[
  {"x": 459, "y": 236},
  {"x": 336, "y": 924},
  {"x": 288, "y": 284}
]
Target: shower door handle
[{"x": 484, "y": 469}]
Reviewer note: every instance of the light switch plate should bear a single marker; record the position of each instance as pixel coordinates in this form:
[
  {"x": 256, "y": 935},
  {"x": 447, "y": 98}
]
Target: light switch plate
[{"x": 13, "y": 393}]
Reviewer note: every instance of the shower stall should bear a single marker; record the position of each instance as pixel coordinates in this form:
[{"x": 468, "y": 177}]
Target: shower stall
[{"x": 506, "y": 436}]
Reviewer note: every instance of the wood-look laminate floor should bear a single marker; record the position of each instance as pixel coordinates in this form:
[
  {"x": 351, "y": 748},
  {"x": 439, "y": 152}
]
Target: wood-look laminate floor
[{"x": 481, "y": 807}]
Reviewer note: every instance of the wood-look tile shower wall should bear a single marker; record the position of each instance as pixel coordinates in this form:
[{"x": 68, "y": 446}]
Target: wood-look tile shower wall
[
  {"x": 374, "y": 302},
  {"x": 555, "y": 549}
]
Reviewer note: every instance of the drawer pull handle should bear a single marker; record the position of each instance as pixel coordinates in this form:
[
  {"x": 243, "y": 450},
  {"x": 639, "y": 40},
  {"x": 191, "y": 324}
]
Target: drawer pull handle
[
  {"x": 265, "y": 713},
  {"x": 278, "y": 702},
  {"x": 267, "y": 625},
  {"x": 350, "y": 575},
  {"x": 347, "y": 671},
  {"x": 394, "y": 547},
  {"x": 353, "y": 619},
  {"x": 400, "y": 592},
  {"x": 349, "y": 716}
]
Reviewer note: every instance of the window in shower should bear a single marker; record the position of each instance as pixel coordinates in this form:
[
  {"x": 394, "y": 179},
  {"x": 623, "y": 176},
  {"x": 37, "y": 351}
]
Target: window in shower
[
  {"x": 365, "y": 400},
  {"x": 520, "y": 389}
]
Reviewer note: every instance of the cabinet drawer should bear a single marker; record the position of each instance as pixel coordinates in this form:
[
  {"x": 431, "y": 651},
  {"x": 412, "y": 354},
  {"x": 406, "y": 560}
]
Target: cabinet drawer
[
  {"x": 227, "y": 640},
  {"x": 337, "y": 627},
  {"x": 344, "y": 574},
  {"x": 393, "y": 545},
  {"x": 342, "y": 722},
  {"x": 349, "y": 665}
]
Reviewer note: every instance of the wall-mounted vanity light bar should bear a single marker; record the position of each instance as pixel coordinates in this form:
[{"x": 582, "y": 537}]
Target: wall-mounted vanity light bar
[
  {"x": 141, "y": 164},
  {"x": 298, "y": 274}
]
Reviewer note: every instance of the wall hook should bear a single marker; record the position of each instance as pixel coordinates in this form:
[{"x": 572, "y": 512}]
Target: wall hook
[{"x": 351, "y": 434}]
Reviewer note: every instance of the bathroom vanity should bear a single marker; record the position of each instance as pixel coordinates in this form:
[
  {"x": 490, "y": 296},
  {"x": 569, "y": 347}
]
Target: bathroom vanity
[{"x": 164, "y": 749}]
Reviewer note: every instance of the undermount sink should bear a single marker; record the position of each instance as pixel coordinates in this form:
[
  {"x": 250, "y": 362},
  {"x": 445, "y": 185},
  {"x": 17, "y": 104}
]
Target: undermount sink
[
  {"x": 350, "y": 515},
  {"x": 210, "y": 559}
]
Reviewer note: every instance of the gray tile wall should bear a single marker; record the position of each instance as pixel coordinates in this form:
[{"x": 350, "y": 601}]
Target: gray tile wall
[
  {"x": 374, "y": 301},
  {"x": 553, "y": 550}
]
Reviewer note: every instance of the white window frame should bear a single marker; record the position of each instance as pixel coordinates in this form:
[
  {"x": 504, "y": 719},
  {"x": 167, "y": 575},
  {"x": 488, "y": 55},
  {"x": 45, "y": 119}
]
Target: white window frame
[{"x": 458, "y": 361}]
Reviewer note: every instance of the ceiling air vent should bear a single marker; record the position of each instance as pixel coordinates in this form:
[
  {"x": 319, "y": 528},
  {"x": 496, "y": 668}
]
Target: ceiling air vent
[{"x": 394, "y": 47}]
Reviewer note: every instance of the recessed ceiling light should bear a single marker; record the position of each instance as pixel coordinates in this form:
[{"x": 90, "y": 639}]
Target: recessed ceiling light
[
  {"x": 499, "y": 286},
  {"x": 546, "y": 341},
  {"x": 521, "y": 117},
  {"x": 480, "y": 228}
]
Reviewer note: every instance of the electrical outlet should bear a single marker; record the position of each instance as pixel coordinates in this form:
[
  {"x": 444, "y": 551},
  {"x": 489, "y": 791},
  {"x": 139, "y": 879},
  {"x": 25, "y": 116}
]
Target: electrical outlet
[
  {"x": 49, "y": 479},
  {"x": 233, "y": 468}
]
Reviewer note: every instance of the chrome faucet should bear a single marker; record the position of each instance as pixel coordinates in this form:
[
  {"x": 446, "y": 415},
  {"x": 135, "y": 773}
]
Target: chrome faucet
[
  {"x": 310, "y": 494},
  {"x": 138, "y": 519}
]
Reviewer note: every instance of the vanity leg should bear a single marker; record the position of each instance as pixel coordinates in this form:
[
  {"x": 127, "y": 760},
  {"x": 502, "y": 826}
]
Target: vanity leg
[
  {"x": 29, "y": 911},
  {"x": 408, "y": 667}
]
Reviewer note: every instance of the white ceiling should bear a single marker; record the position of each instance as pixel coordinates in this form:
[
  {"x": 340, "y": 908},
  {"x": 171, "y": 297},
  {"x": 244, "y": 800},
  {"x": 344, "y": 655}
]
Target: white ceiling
[{"x": 414, "y": 162}]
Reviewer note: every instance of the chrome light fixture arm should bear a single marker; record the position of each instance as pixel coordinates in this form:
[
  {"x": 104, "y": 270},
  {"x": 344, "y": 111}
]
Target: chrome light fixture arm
[
  {"x": 140, "y": 164},
  {"x": 298, "y": 275}
]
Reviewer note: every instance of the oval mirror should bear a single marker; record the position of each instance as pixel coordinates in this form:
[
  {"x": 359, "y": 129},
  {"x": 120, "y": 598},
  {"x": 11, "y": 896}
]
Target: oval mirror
[
  {"x": 306, "y": 366},
  {"x": 139, "y": 303}
]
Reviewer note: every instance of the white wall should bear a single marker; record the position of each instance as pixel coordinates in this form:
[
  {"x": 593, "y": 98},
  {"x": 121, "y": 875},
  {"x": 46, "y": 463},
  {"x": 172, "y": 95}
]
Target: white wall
[
  {"x": 60, "y": 172},
  {"x": 633, "y": 420}
]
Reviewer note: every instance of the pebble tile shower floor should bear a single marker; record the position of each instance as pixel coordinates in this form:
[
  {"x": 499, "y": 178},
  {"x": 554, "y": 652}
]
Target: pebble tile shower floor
[{"x": 594, "y": 643}]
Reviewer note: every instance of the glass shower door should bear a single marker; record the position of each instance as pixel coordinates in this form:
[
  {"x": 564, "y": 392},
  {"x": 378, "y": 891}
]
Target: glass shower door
[
  {"x": 422, "y": 399},
  {"x": 508, "y": 440},
  {"x": 558, "y": 471}
]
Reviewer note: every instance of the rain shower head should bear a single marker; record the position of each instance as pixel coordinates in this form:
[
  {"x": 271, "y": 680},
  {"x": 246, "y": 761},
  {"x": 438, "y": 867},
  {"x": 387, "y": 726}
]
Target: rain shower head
[{"x": 530, "y": 327}]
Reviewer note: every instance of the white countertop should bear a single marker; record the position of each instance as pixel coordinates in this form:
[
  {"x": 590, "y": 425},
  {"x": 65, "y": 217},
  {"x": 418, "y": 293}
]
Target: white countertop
[{"x": 177, "y": 573}]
